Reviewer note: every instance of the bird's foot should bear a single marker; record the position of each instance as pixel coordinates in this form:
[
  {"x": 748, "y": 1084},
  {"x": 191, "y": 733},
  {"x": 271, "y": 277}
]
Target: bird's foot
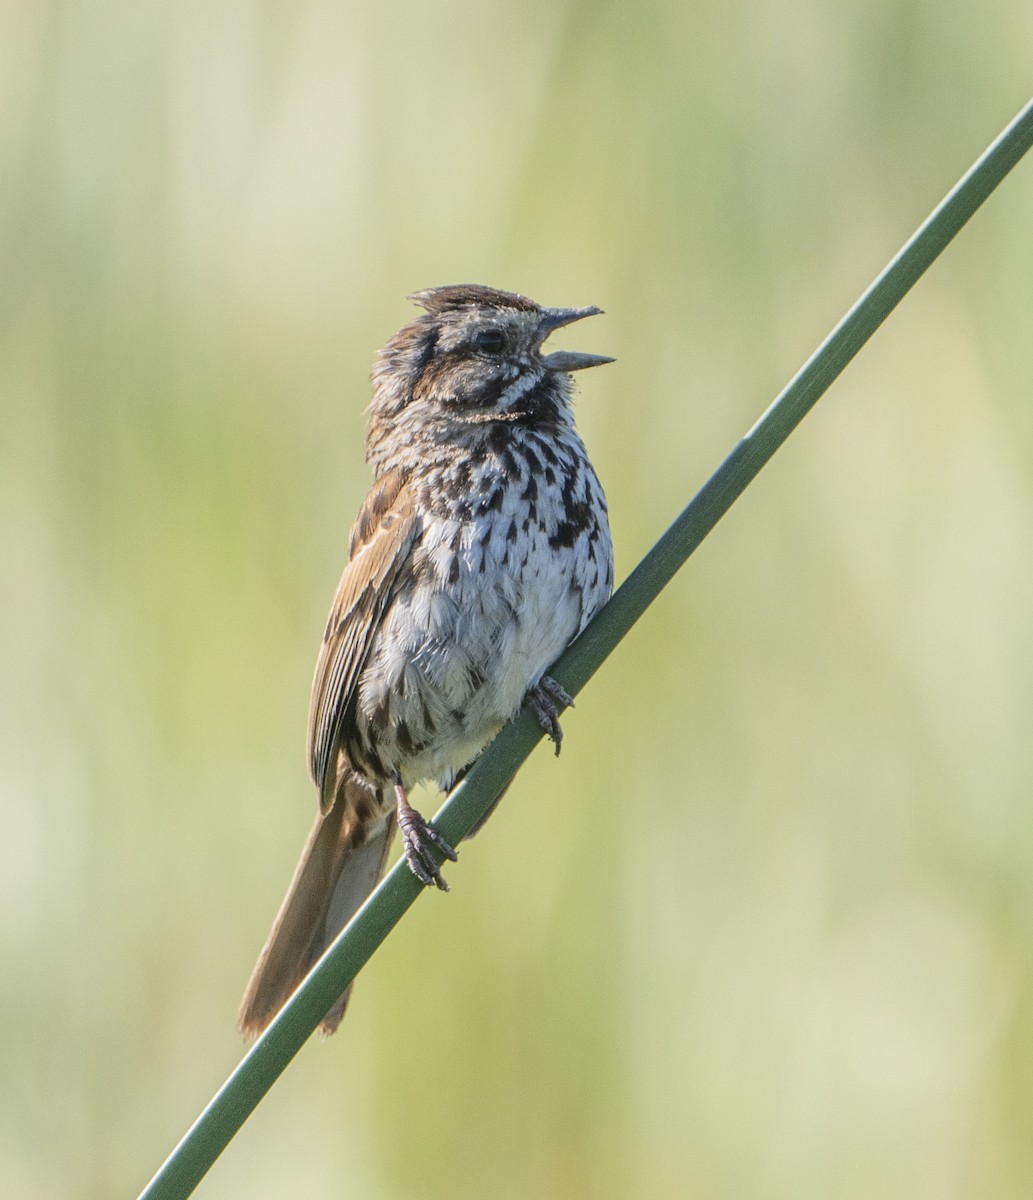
[
  {"x": 546, "y": 700},
  {"x": 418, "y": 836}
]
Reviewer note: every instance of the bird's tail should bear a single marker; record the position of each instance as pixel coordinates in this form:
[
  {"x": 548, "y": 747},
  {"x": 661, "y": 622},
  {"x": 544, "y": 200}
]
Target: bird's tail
[{"x": 342, "y": 860}]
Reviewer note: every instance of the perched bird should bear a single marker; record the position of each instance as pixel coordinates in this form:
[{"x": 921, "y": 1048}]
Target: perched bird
[{"x": 482, "y": 549}]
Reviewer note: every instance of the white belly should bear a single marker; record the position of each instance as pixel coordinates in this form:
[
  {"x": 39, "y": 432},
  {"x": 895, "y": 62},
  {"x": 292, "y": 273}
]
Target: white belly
[{"x": 488, "y": 613}]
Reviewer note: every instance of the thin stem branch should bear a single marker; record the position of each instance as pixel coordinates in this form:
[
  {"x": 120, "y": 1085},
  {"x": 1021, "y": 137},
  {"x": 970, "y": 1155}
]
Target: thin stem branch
[{"x": 269, "y": 1056}]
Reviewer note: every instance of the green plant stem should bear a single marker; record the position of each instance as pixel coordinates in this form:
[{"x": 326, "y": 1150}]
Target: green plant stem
[{"x": 270, "y": 1055}]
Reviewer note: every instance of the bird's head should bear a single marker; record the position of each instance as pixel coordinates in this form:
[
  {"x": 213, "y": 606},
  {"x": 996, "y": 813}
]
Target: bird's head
[{"x": 473, "y": 361}]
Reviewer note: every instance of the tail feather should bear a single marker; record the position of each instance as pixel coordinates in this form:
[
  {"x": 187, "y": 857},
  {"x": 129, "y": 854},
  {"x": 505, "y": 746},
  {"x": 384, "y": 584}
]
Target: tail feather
[{"x": 342, "y": 860}]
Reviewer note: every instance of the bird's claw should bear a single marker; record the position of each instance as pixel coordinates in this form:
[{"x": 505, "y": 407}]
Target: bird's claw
[
  {"x": 418, "y": 836},
  {"x": 546, "y": 699}
]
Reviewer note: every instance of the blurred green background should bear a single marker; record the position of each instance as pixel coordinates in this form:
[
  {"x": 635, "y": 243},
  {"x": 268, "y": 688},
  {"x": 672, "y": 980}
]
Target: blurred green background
[{"x": 766, "y": 928}]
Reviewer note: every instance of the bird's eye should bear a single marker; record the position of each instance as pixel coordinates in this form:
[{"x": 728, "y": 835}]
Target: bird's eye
[{"x": 490, "y": 341}]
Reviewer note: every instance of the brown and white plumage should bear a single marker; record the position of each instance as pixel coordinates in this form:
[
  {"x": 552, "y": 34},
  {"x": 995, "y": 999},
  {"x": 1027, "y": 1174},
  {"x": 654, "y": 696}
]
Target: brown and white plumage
[
  {"x": 481, "y": 550},
  {"x": 379, "y": 548}
]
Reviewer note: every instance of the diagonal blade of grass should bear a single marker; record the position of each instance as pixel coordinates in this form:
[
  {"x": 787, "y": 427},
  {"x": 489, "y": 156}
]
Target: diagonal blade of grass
[{"x": 268, "y": 1058}]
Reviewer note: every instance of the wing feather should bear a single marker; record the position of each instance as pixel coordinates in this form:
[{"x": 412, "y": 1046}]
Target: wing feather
[{"x": 381, "y": 541}]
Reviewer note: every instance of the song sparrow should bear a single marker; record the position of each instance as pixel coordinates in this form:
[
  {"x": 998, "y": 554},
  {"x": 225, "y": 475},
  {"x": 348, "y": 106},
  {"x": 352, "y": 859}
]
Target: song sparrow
[{"x": 480, "y": 552}]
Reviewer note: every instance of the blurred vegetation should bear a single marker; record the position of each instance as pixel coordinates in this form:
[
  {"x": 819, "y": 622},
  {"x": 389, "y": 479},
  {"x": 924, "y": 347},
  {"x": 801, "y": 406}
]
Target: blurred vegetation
[{"x": 767, "y": 926}]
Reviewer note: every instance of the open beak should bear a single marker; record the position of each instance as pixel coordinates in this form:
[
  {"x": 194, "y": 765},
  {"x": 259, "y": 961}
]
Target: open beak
[{"x": 567, "y": 360}]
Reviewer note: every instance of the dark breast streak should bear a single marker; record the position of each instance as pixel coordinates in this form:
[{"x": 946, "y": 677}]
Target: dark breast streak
[{"x": 512, "y": 558}]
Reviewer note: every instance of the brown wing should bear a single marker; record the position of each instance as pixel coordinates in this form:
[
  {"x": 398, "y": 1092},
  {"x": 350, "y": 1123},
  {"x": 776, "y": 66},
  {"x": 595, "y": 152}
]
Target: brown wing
[{"x": 381, "y": 540}]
